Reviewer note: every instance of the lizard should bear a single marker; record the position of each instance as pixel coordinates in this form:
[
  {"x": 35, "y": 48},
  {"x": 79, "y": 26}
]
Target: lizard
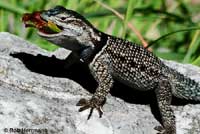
[{"x": 111, "y": 58}]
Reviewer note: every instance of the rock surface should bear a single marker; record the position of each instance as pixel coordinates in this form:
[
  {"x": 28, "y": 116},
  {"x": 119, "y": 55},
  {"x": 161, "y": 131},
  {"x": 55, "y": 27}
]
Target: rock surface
[{"x": 33, "y": 96}]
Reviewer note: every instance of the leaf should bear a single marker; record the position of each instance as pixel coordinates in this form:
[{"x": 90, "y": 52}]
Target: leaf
[{"x": 53, "y": 27}]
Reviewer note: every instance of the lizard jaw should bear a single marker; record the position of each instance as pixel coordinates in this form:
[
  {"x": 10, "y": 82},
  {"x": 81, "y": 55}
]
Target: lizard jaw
[{"x": 47, "y": 35}]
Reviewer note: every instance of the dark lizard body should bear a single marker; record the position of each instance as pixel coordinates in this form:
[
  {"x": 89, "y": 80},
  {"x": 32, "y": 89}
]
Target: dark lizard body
[
  {"x": 132, "y": 64},
  {"x": 111, "y": 58}
]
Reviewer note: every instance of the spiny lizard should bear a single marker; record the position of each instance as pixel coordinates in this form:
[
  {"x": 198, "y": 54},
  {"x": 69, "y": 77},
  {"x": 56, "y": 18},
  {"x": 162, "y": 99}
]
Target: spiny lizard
[{"x": 110, "y": 58}]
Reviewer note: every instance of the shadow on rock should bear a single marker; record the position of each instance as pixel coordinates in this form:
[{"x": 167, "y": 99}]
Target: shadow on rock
[{"x": 79, "y": 72}]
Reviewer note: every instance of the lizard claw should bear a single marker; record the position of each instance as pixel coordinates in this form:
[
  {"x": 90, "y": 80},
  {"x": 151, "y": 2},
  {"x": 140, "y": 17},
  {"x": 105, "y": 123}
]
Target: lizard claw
[
  {"x": 162, "y": 130},
  {"x": 93, "y": 103}
]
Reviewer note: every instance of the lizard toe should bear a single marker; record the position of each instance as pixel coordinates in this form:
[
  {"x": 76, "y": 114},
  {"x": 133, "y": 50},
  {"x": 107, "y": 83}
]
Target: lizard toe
[
  {"x": 160, "y": 129},
  {"x": 82, "y": 102}
]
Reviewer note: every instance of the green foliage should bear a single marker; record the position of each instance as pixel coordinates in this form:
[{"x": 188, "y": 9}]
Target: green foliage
[
  {"x": 128, "y": 15},
  {"x": 170, "y": 27}
]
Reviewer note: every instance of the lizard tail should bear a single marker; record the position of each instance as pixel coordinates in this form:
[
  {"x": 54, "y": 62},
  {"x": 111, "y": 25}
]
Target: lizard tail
[{"x": 184, "y": 87}]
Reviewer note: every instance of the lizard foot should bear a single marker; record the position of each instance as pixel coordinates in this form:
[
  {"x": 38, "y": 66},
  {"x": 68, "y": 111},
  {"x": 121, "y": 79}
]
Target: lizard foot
[
  {"x": 162, "y": 130},
  {"x": 93, "y": 103}
]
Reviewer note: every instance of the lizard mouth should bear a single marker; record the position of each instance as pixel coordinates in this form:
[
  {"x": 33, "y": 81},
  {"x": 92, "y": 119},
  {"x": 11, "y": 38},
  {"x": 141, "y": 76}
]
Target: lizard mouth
[{"x": 44, "y": 27}]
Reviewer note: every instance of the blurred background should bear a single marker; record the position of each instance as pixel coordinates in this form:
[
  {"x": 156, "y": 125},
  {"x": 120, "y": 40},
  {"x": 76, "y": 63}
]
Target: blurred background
[{"x": 170, "y": 27}]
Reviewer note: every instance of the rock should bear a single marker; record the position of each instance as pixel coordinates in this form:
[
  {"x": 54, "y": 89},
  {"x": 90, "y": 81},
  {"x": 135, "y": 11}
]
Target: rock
[{"x": 36, "y": 95}]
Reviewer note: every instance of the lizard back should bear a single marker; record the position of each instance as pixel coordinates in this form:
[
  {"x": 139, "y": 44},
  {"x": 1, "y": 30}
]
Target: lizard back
[
  {"x": 132, "y": 64},
  {"x": 138, "y": 68}
]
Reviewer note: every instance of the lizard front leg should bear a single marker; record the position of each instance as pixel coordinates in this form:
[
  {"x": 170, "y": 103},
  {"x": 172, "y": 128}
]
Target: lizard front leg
[
  {"x": 164, "y": 97},
  {"x": 100, "y": 70}
]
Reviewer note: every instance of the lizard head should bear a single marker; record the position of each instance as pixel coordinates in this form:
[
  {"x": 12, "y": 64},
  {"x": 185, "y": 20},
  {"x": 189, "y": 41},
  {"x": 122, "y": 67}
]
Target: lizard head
[{"x": 73, "y": 32}]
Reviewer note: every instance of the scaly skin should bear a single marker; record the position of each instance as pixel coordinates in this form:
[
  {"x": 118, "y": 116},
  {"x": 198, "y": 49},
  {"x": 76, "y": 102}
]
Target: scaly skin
[{"x": 111, "y": 58}]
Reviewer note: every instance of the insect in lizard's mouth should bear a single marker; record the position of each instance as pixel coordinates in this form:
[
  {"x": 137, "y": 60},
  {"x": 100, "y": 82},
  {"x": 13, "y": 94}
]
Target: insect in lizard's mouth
[{"x": 44, "y": 27}]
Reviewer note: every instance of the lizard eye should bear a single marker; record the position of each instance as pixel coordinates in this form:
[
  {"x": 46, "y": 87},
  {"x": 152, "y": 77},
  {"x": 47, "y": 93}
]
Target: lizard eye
[{"x": 63, "y": 18}]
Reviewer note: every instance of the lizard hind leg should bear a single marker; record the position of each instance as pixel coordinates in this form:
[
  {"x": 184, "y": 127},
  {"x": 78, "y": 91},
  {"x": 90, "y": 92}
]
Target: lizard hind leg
[{"x": 164, "y": 97}]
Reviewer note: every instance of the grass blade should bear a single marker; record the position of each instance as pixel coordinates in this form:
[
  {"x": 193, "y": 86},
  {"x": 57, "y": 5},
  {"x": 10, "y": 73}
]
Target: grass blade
[
  {"x": 192, "y": 47},
  {"x": 11, "y": 8},
  {"x": 171, "y": 33}
]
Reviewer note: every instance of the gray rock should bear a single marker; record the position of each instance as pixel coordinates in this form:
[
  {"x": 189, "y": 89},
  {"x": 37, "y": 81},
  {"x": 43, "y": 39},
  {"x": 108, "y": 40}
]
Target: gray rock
[{"x": 45, "y": 104}]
